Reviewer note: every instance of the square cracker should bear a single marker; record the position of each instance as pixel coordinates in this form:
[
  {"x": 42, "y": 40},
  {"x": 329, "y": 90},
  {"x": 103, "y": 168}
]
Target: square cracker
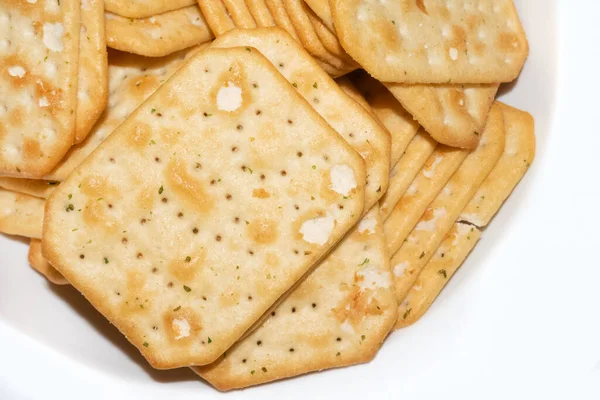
[
  {"x": 197, "y": 213},
  {"x": 429, "y": 41},
  {"x": 144, "y": 8},
  {"x": 132, "y": 79},
  {"x": 389, "y": 111},
  {"x": 406, "y": 169},
  {"x": 346, "y": 116},
  {"x": 92, "y": 87},
  {"x": 33, "y": 187},
  {"x": 453, "y": 115},
  {"x": 41, "y": 265},
  {"x": 453, "y": 251},
  {"x": 21, "y": 214},
  {"x": 515, "y": 161},
  {"x": 339, "y": 315},
  {"x": 443, "y": 212},
  {"x": 39, "y": 54},
  {"x": 160, "y": 35},
  {"x": 436, "y": 172}
]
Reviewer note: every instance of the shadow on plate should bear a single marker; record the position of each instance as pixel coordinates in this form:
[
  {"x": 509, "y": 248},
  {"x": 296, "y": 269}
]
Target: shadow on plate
[{"x": 110, "y": 332}]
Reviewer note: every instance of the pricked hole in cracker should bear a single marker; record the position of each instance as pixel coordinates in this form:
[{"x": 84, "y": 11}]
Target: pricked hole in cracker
[
  {"x": 164, "y": 200},
  {"x": 204, "y": 298},
  {"x": 258, "y": 112},
  {"x": 195, "y": 231},
  {"x": 281, "y": 65},
  {"x": 272, "y": 313},
  {"x": 283, "y": 173},
  {"x": 110, "y": 205},
  {"x": 198, "y": 165},
  {"x": 296, "y": 206},
  {"x": 341, "y": 206},
  {"x": 316, "y": 100},
  {"x": 143, "y": 221},
  {"x": 157, "y": 159},
  {"x": 124, "y": 240},
  {"x": 299, "y": 154},
  {"x": 112, "y": 160},
  {"x": 259, "y": 342},
  {"x": 314, "y": 305},
  {"x": 228, "y": 196},
  {"x": 213, "y": 182},
  {"x": 139, "y": 256},
  {"x": 293, "y": 309},
  {"x": 170, "y": 284},
  {"x": 154, "y": 270},
  {"x": 154, "y": 327},
  {"x": 180, "y": 215},
  {"x": 236, "y": 220},
  {"x": 291, "y": 349},
  {"x": 339, "y": 339},
  {"x": 250, "y": 298},
  {"x": 307, "y": 253},
  {"x": 250, "y": 252},
  {"x": 255, "y": 85},
  {"x": 351, "y": 134},
  {"x": 290, "y": 122},
  {"x": 326, "y": 158},
  {"x": 82, "y": 256},
  {"x": 296, "y": 251},
  {"x": 239, "y": 127},
  {"x": 262, "y": 177},
  {"x": 218, "y": 238},
  {"x": 244, "y": 361},
  {"x": 234, "y": 149}
]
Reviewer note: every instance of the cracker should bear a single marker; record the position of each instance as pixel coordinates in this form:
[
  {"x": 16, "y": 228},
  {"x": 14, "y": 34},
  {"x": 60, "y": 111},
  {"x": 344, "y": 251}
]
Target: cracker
[
  {"x": 159, "y": 243},
  {"x": 515, "y": 161},
  {"x": 436, "y": 172},
  {"x": 240, "y": 14},
  {"x": 39, "y": 54},
  {"x": 144, "y": 8},
  {"x": 347, "y": 117},
  {"x": 443, "y": 212},
  {"x": 33, "y": 187},
  {"x": 406, "y": 169},
  {"x": 392, "y": 115},
  {"x": 328, "y": 38},
  {"x": 453, "y": 115},
  {"x": 132, "y": 79},
  {"x": 216, "y": 16},
  {"x": 21, "y": 214},
  {"x": 261, "y": 13},
  {"x": 281, "y": 17},
  {"x": 160, "y": 35},
  {"x": 350, "y": 89},
  {"x": 455, "y": 248},
  {"x": 297, "y": 11},
  {"x": 92, "y": 86},
  {"x": 41, "y": 265},
  {"x": 322, "y": 9},
  {"x": 433, "y": 41},
  {"x": 337, "y": 316}
]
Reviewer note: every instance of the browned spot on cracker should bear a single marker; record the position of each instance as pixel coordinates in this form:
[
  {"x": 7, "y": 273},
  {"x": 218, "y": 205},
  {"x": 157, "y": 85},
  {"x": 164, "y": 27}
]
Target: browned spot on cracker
[
  {"x": 189, "y": 189},
  {"x": 31, "y": 149},
  {"x": 185, "y": 270},
  {"x": 139, "y": 138},
  {"x": 175, "y": 320},
  {"x": 421, "y": 6},
  {"x": 260, "y": 193},
  {"x": 262, "y": 230}
]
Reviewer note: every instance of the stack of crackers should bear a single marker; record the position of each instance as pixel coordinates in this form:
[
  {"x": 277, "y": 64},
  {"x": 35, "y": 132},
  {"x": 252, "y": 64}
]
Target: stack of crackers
[{"x": 268, "y": 203}]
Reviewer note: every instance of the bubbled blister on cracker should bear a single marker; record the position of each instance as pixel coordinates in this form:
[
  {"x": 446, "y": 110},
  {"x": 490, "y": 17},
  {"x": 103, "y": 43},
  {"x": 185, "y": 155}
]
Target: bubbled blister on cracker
[
  {"x": 444, "y": 210},
  {"x": 433, "y": 42},
  {"x": 198, "y": 213},
  {"x": 339, "y": 315},
  {"x": 344, "y": 115},
  {"x": 39, "y": 54},
  {"x": 159, "y": 35}
]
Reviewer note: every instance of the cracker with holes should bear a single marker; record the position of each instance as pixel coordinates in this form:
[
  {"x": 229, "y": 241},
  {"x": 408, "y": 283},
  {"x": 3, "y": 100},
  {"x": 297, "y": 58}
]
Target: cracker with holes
[
  {"x": 144, "y": 8},
  {"x": 39, "y": 53},
  {"x": 159, "y": 35},
  {"x": 346, "y": 116},
  {"x": 429, "y": 41},
  {"x": 132, "y": 79},
  {"x": 338, "y": 316},
  {"x": 515, "y": 161},
  {"x": 21, "y": 214},
  {"x": 453, "y": 115},
  {"x": 33, "y": 187},
  {"x": 430, "y": 180},
  {"x": 455, "y": 248},
  {"x": 206, "y": 205},
  {"x": 405, "y": 171},
  {"x": 443, "y": 212},
  {"x": 217, "y": 16},
  {"x": 92, "y": 86},
  {"x": 261, "y": 13},
  {"x": 389, "y": 111},
  {"x": 41, "y": 265}
]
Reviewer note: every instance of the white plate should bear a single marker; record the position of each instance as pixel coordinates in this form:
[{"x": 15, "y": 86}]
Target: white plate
[{"x": 520, "y": 319}]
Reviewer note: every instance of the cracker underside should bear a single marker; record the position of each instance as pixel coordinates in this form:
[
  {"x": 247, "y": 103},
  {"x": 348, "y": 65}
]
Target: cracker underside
[
  {"x": 433, "y": 42},
  {"x": 211, "y": 216},
  {"x": 132, "y": 79},
  {"x": 443, "y": 212},
  {"x": 144, "y": 8},
  {"x": 92, "y": 89},
  {"x": 159, "y": 35},
  {"x": 454, "y": 115},
  {"x": 41, "y": 265},
  {"x": 344, "y": 115},
  {"x": 21, "y": 214},
  {"x": 39, "y": 57},
  {"x": 337, "y": 316}
]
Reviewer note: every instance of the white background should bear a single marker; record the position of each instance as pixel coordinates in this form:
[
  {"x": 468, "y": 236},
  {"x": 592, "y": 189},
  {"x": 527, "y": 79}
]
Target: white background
[{"x": 520, "y": 320}]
